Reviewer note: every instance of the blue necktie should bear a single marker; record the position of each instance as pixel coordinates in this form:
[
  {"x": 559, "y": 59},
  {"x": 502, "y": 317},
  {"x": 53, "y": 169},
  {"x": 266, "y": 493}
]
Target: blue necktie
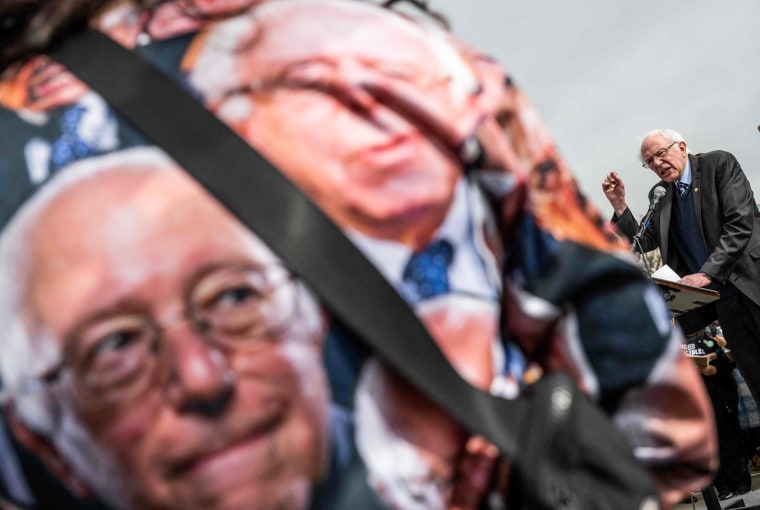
[
  {"x": 682, "y": 188},
  {"x": 70, "y": 147},
  {"x": 427, "y": 270}
]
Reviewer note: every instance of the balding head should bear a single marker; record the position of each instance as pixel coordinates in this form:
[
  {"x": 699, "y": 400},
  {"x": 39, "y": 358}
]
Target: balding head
[{"x": 184, "y": 359}]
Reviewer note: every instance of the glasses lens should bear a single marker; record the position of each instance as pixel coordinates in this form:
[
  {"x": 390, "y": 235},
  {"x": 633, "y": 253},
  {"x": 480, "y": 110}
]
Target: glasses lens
[
  {"x": 242, "y": 304},
  {"x": 113, "y": 359},
  {"x": 658, "y": 155}
]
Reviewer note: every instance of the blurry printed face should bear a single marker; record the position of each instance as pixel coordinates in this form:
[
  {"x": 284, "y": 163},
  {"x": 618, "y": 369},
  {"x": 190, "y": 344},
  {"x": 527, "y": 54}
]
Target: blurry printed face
[
  {"x": 354, "y": 116},
  {"x": 216, "y": 7},
  {"x": 668, "y": 158},
  {"x": 416, "y": 454},
  {"x": 167, "y": 19},
  {"x": 217, "y": 426},
  {"x": 372, "y": 178},
  {"x": 464, "y": 328},
  {"x": 40, "y": 85}
]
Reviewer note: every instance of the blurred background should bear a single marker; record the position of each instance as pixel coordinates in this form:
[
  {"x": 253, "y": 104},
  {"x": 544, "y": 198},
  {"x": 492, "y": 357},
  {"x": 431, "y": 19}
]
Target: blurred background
[{"x": 602, "y": 74}]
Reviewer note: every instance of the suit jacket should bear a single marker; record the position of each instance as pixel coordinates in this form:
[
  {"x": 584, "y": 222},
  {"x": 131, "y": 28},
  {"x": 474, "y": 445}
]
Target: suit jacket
[{"x": 728, "y": 218}]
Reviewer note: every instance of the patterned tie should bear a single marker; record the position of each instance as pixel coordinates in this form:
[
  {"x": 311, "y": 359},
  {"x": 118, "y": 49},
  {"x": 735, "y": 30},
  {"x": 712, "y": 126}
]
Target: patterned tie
[
  {"x": 682, "y": 188},
  {"x": 427, "y": 270},
  {"x": 70, "y": 146}
]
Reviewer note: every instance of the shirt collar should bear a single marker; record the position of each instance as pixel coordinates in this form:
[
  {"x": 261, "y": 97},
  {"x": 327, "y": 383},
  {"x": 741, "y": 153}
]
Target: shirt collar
[
  {"x": 686, "y": 177},
  {"x": 390, "y": 256}
]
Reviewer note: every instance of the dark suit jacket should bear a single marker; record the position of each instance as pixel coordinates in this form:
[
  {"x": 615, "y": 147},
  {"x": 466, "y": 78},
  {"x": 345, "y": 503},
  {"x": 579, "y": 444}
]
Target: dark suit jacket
[{"x": 728, "y": 218}]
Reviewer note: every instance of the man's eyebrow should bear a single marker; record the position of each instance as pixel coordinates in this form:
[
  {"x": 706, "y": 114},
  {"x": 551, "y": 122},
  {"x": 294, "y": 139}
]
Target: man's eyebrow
[
  {"x": 126, "y": 306},
  {"x": 129, "y": 305},
  {"x": 204, "y": 270}
]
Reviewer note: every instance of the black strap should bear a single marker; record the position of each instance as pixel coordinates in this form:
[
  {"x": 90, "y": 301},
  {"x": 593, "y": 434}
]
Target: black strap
[
  {"x": 565, "y": 452},
  {"x": 286, "y": 220}
]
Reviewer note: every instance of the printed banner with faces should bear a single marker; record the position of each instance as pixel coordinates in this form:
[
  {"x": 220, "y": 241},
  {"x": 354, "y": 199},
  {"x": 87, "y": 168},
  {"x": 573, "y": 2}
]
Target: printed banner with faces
[{"x": 157, "y": 354}]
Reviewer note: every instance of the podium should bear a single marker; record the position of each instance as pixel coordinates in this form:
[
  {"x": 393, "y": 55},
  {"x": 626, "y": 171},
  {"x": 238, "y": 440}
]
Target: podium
[{"x": 681, "y": 298}]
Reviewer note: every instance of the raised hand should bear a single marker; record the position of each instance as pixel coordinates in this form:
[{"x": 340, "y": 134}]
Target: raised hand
[{"x": 614, "y": 189}]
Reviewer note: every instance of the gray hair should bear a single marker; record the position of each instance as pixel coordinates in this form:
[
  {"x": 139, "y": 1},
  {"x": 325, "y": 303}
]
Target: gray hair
[
  {"x": 669, "y": 134},
  {"x": 27, "y": 349}
]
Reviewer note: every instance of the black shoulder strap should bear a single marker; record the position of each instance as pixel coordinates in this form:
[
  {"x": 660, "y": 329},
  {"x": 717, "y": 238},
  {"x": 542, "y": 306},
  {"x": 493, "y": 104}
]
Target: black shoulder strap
[
  {"x": 285, "y": 219},
  {"x": 313, "y": 247}
]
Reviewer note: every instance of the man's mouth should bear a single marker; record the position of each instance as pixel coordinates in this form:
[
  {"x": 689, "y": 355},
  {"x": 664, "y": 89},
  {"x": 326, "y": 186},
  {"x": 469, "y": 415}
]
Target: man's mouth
[
  {"x": 394, "y": 152},
  {"x": 223, "y": 454}
]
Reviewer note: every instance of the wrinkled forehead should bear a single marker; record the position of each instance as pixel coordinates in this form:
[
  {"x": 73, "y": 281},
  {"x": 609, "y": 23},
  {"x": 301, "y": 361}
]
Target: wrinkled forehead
[
  {"x": 138, "y": 195},
  {"x": 280, "y": 33},
  {"x": 306, "y": 28}
]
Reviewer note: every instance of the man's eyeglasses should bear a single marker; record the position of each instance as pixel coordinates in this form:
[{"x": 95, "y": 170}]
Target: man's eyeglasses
[
  {"x": 115, "y": 358},
  {"x": 659, "y": 155}
]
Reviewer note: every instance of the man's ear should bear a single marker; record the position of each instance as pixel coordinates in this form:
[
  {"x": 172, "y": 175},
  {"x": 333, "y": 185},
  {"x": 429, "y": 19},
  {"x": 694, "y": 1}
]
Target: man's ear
[{"x": 41, "y": 446}]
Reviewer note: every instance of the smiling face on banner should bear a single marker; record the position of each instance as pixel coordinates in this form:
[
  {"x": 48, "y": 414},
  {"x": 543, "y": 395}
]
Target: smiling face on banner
[
  {"x": 173, "y": 323},
  {"x": 372, "y": 150},
  {"x": 158, "y": 355}
]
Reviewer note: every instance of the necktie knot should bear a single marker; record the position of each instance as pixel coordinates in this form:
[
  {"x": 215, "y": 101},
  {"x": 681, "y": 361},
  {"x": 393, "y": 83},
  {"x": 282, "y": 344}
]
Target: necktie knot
[
  {"x": 427, "y": 270},
  {"x": 682, "y": 188},
  {"x": 70, "y": 146}
]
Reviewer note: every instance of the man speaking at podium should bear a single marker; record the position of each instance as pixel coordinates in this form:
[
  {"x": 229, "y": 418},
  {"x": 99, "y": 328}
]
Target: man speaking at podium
[{"x": 707, "y": 227}]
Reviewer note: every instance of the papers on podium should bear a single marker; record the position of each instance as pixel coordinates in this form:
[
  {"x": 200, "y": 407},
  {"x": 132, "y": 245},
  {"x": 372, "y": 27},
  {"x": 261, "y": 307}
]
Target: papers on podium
[
  {"x": 666, "y": 273},
  {"x": 700, "y": 361},
  {"x": 681, "y": 298}
]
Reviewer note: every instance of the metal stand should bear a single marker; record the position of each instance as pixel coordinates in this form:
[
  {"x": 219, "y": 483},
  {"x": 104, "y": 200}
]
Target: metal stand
[{"x": 711, "y": 498}]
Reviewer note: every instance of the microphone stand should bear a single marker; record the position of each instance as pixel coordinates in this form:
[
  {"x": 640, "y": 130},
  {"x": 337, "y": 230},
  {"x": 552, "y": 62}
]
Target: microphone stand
[
  {"x": 636, "y": 245},
  {"x": 657, "y": 193},
  {"x": 642, "y": 228}
]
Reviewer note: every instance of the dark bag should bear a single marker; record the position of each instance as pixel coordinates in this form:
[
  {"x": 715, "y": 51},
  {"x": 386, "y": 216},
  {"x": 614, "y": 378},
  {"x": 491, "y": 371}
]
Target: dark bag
[{"x": 564, "y": 450}]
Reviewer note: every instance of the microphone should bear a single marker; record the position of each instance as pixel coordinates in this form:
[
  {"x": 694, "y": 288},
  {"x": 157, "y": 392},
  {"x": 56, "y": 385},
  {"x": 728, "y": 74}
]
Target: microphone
[{"x": 657, "y": 194}]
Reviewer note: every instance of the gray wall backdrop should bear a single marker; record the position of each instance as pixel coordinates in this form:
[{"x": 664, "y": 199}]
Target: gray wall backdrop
[{"x": 602, "y": 73}]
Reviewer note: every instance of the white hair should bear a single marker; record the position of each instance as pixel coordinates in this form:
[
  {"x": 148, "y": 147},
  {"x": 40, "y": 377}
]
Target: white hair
[
  {"x": 670, "y": 135},
  {"x": 391, "y": 460},
  {"x": 27, "y": 349}
]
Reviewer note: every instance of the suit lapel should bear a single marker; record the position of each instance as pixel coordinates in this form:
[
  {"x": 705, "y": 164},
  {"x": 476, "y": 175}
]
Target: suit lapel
[
  {"x": 696, "y": 195},
  {"x": 664, "y": 219}
]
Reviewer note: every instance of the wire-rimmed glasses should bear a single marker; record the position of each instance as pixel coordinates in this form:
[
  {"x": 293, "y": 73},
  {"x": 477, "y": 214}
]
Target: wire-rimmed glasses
[
  {"x": 114, "y": 357},
  {"x": 659, "y": 155}
]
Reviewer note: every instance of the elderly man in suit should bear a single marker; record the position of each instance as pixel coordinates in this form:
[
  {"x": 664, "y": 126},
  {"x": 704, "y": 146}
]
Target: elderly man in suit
[{"x": 707, "y": 226}]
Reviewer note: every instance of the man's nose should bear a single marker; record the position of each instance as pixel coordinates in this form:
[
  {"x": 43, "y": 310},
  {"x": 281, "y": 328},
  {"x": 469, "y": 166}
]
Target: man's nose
[
  {"x": 200, "y": 379},
  {"x": 656, "y": 164},
  {"x": 658, "y": 160}
]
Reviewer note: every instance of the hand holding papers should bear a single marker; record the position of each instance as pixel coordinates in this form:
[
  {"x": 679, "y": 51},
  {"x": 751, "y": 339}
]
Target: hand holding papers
[
  {"x": 681, "y": 298},
  {"x": 665, "y": 273}
]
